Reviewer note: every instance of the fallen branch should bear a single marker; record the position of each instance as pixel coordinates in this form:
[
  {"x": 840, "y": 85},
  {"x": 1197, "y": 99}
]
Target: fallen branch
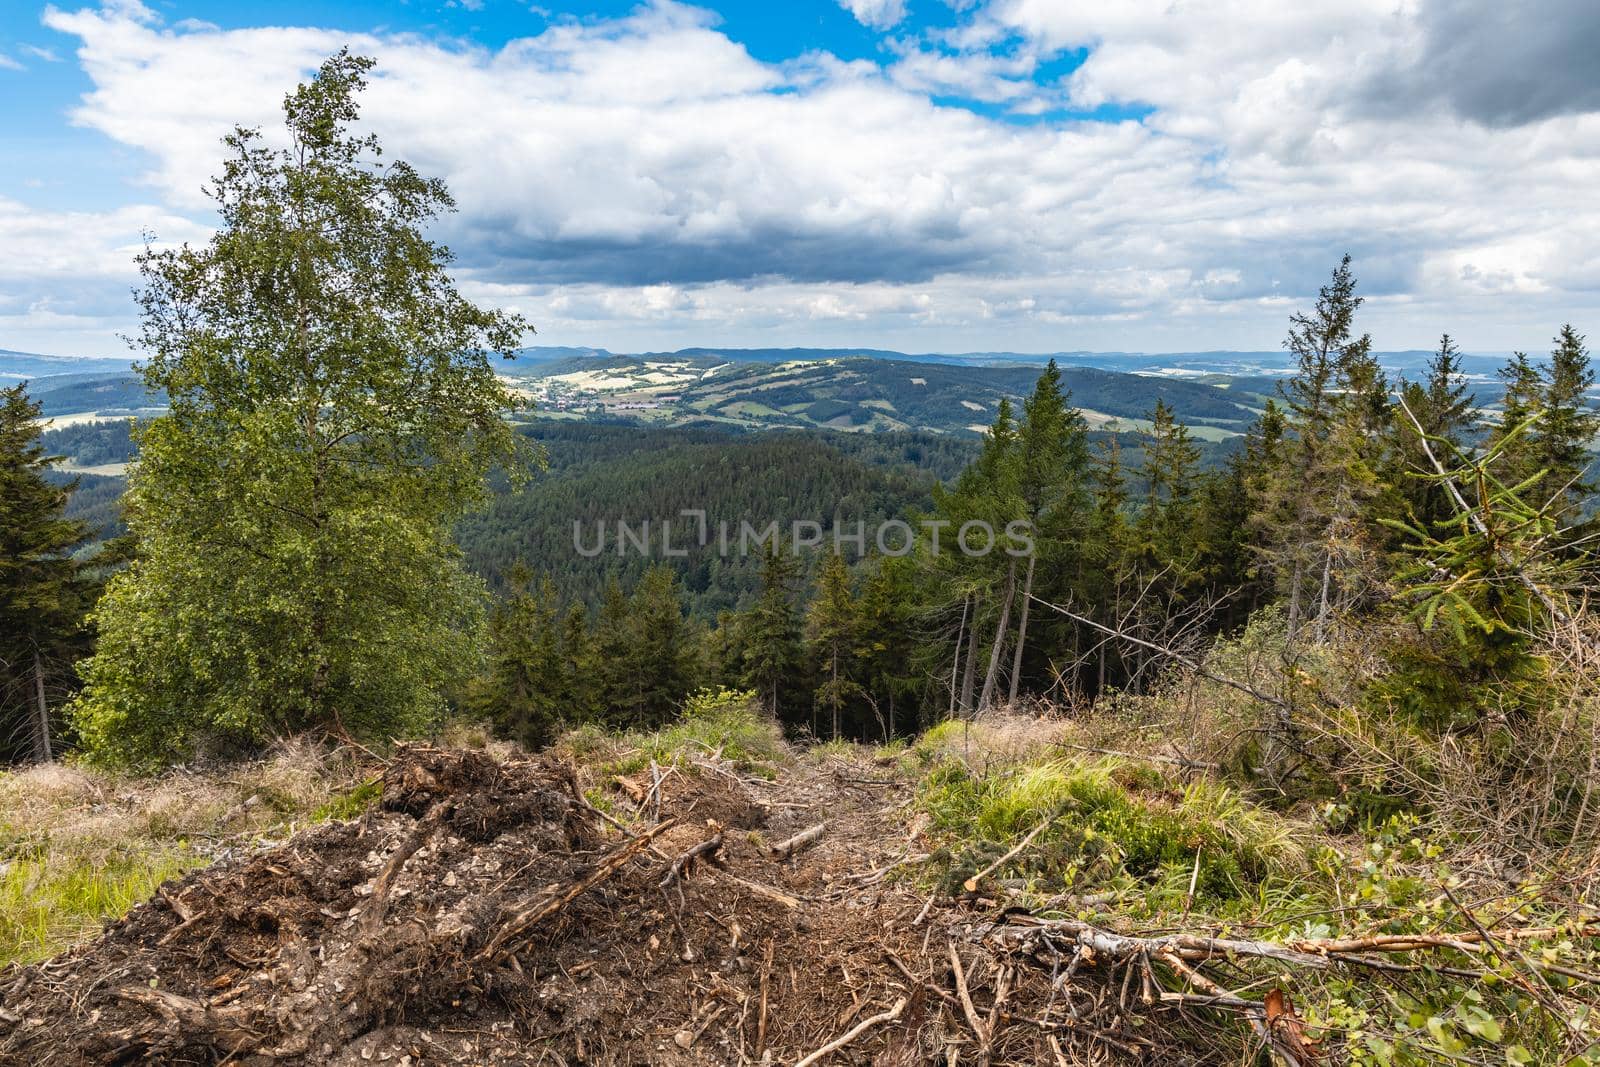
[
  {"x": 892, "y": 1015},
  {"x": 971, "y": 884},
  {"x": 804, "y": 839},
  {"x": 704, "y": 850},
  {"x": 513, "y": 929}
]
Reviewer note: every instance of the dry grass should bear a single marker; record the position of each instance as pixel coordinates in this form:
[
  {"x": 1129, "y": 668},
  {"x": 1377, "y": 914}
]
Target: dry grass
[{"x": 78, "y": 846}]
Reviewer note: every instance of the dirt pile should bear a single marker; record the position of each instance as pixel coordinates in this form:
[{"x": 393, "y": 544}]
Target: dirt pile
[
  {"x": 482, "y": 913},
  {"x": 486, "y": 912}
]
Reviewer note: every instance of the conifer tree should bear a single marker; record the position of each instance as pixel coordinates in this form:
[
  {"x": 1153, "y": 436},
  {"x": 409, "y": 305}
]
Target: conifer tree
[
  {"x": 1443, "y": 405},
  {"x": 522, "y": 690},
  {"x": 1309, "y": 494},
  {"x": 1170, "y": 460},
  {"x": 771, "y": 652},
  {"x": 833, "y": 624},
  {"x": 1053, "y": 463},
  {"x": 1567, "y": 425},
  {"x": 1513, "y": 437},
  {"x": 661, "y": 656},
  {"x": 44, "y": 591},
  {"x": 884, "y": 640},
  {"x": 613, "y": 684}
]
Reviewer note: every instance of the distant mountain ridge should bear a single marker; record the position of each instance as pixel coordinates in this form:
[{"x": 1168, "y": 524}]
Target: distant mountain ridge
[{"x": 15, "y": 364}]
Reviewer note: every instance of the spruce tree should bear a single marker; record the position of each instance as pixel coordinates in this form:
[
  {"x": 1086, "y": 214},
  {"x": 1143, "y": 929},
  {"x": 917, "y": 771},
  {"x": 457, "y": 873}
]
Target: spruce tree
[
  {"x": 1568, "y": 425},
  {"x": 1443, "y": 405},
  {"x": 661, "y": 657},
  {"x": 1053, "y": 463},
  {"x": 1514, "y": 435},
  {"x": 523, "y": 690},
  {"x": 833, "y": 624},
  {"x": 771, "y": 651},
  {"x": 1336, "y": 384},
  {"x": 44, "y": 592},
  {"x": 614, "y": 684}
]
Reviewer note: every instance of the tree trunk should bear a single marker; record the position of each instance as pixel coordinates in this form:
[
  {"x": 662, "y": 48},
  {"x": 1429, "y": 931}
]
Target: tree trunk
[
  {"x": 999, "y": 637},
  {"x": 1294, "y": 594},
  {"x": 968, "y": 673},
  {"x": 1022, "y": 631},
  {"x": 955, "y": 665},
  {"x": 1322, "y": 606},
  {"x": 41, "y": 740},
  {"x": 835, "y": 675}
]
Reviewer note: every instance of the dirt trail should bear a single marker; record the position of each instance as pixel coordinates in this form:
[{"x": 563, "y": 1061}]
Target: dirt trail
[{"x": 486, "y": 913}]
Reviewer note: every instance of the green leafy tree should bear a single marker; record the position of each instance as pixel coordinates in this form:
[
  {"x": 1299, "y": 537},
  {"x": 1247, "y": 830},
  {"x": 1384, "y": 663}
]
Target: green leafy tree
[
  {"x": 333, "y": 411},
  {"x": 44, "y": 591}
]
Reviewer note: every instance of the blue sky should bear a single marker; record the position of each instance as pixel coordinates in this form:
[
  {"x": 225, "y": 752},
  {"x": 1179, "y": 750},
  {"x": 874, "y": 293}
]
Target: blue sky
[{"x": 928, "y": 175}]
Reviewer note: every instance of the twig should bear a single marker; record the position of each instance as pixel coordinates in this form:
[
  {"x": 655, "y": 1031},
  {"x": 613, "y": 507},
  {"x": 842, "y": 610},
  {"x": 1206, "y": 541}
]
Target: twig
[
  {"x": 892, "y": 1015},
  {"x": 705, "y": 850}
]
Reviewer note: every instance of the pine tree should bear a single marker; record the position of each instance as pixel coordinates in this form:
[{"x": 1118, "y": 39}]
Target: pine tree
[
  {"x": 1170, "y": 461},
  {"x": 523, "y": 690},
  {"x": 613, "y": 683},
  {"x": 771, "y": 651},
  {"x": 661, "y": 656},
  {"x": 1568, "y": 425},
  {"x": 1052, "y": 474},
  {"x": 833, "y": 623},
  {"x": 1513, "y": 437},
  {"x": 1443, "y": 405},
  {"x": 44, "y": 591},
  {"x": 1336, "y": 383},
  {"x": 578, "y": 666},
  {"x": 885, "y": 643}
]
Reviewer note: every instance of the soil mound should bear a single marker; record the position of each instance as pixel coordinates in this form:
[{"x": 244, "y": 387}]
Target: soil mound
[{"x": 486, "y": 913}]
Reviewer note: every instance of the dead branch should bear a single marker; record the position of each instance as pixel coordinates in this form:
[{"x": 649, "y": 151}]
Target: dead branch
[
  {"x": 971, "y": 884},
  {"x": 799, "y": 842},
  {"x": 892, "y": 1015},
  {"x": 705, "y": 850}
]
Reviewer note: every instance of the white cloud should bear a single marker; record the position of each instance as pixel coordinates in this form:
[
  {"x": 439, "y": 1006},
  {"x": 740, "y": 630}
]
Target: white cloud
[
  {"x": 878, "y": 14},
  {"x": 646, "y": 178},
  {"x": 7, "y": 63}
]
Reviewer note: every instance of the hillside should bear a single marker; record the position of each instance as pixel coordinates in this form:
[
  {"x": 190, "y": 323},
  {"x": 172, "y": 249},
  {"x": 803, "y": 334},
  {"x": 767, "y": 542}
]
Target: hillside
[
  {"x": 860, "y": 394},
  {"x": 602, "y": 474}
]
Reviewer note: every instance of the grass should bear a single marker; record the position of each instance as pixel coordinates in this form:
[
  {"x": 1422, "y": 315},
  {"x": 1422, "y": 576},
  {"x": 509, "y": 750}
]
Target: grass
[
  {"x": 49, "y": 903},
  {"x": 79, "y": 847},
  {"x": 1109, "y": 824},
  {"x": 723, "y": 721}
]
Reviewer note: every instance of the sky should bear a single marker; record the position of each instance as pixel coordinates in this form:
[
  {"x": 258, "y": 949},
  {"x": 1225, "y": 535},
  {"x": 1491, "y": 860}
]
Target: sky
[{"x": 927, "y": 175}]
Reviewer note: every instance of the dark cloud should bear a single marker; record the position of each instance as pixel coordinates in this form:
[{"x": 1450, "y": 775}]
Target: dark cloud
[
  {"x": 844, "y": 256},
  {"x": 1500, "y": 63}
]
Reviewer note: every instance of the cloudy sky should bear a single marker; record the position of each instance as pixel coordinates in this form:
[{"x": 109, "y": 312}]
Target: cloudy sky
[{"x": 930, "y": 175}]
